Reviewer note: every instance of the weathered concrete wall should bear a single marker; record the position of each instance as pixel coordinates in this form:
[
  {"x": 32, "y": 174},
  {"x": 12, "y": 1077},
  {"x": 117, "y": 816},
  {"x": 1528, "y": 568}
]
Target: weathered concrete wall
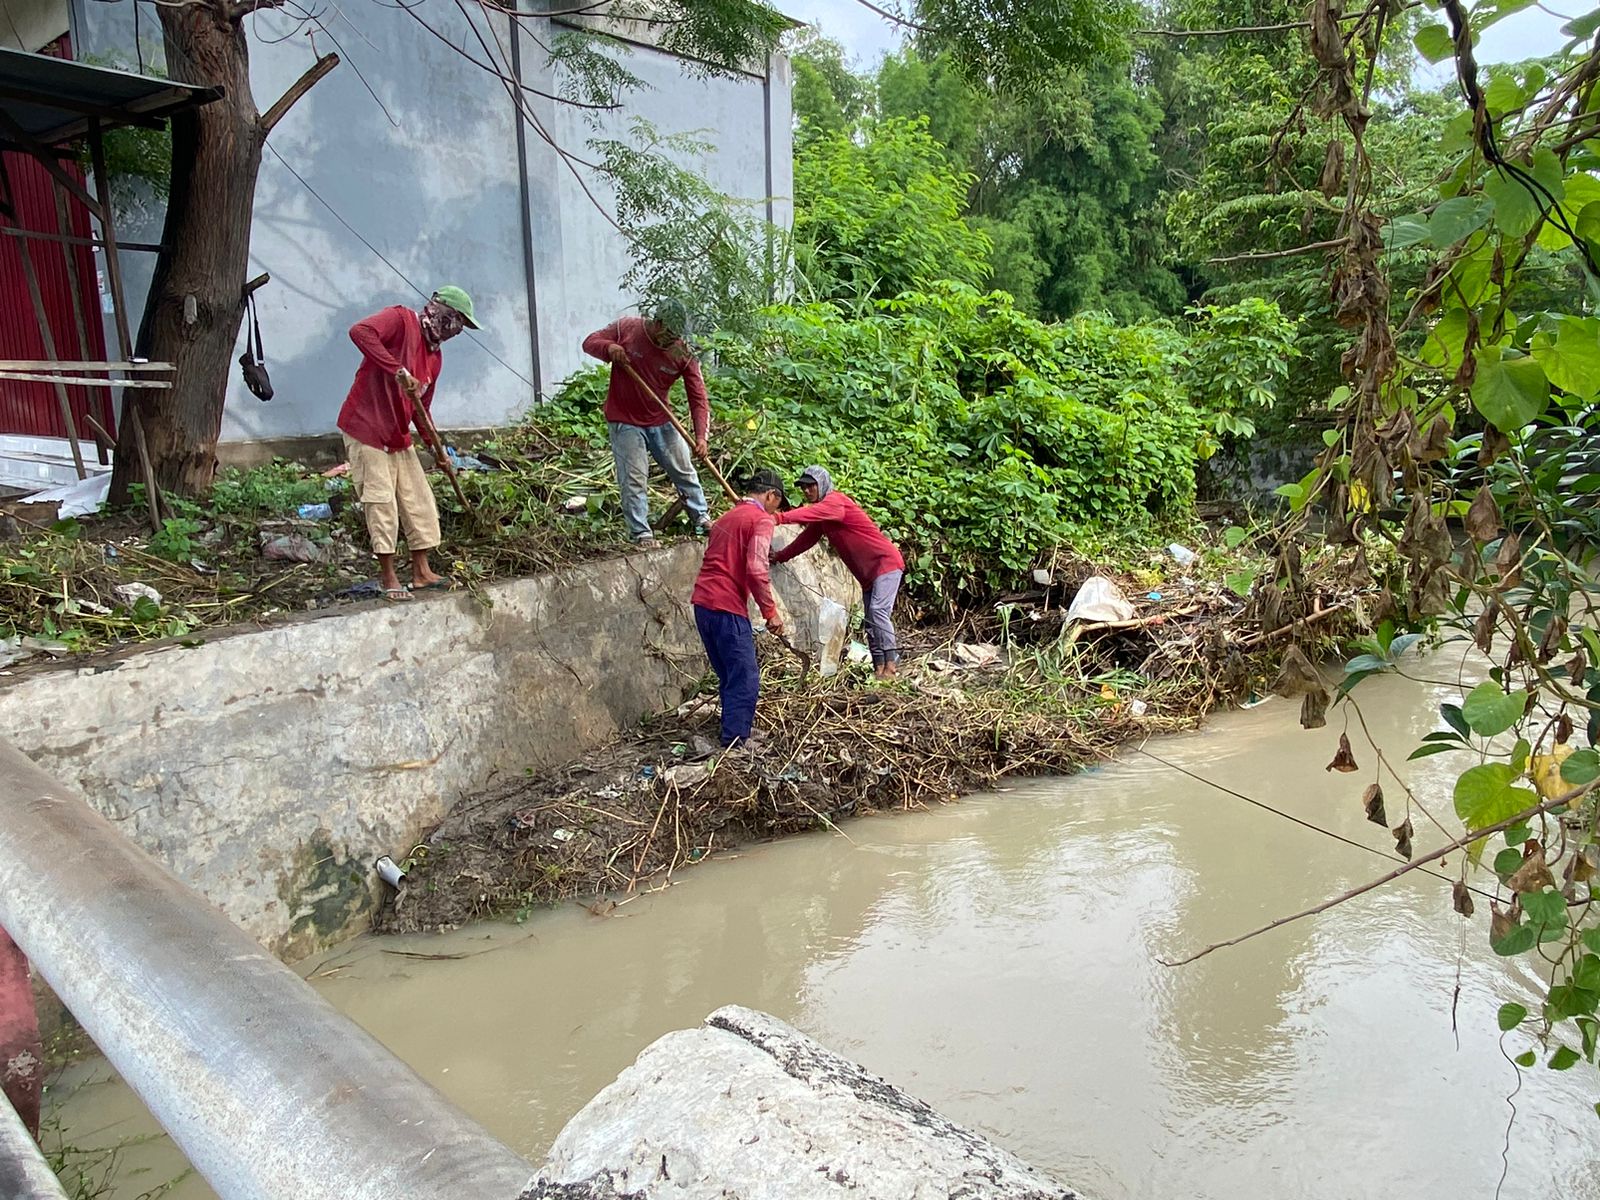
[
  {"x": 748, "y": 1106},
  {"x": 270, "y": 769}
]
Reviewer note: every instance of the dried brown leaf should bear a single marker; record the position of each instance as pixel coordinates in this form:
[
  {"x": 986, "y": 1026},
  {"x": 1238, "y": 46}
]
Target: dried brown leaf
[
  {"x": 1563, "y": 729},
  {"x": 1483, "y": 628},
  {"x": 1437, "y": 443},
  {"x": 1494, "y": 445},
  {"x": 1501, "y": 921},
  {"x": 1372, "y": 802},
  {"x": 1554, "y": 634},
  {"x": 1343, "y": 759},
  {"x": 1402, "y": 838},
  {"x": 1534, "y": 873},
  {"x": 1483, "y": 516},
  {"x": 1331, "y": 181},
  {"x": 1297, "y": 677},
  {"x": 1508, "y": 561},
  {"x": 1578, "y": 668},
  {"x": 1314, "y": 710},
  {"x": 1461, "y": 898}
]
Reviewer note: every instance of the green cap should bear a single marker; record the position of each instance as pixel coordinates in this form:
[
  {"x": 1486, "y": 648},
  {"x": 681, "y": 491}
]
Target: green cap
[{"x": 453, "y": 297}]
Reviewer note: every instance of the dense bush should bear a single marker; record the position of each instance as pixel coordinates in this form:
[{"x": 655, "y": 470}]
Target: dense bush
[{"x": 979, "y": 437}]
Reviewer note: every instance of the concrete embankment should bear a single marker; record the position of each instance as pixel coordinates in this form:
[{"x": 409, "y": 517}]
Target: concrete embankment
[{"x": 269, "y": 769}]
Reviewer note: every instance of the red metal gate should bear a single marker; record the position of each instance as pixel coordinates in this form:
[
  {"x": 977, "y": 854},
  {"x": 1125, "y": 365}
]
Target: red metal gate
[{"x": 32, "y": 408}]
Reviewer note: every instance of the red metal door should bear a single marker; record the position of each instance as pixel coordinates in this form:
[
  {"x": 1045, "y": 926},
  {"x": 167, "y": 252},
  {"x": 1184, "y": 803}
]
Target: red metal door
[{"x": 32, "y": 408}]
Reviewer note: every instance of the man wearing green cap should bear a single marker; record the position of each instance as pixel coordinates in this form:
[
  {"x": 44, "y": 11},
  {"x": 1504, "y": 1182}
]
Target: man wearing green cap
[
  {"x": 400, "y": 360},
  {"x": 641, "y": 428}
]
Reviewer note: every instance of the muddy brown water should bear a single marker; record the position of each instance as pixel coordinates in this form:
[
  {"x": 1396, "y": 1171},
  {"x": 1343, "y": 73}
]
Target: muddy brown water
[{"x": 999, "y": 959}]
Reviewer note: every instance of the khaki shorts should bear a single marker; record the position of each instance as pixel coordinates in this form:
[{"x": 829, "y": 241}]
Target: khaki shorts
[{"x": 394, "y": 491}]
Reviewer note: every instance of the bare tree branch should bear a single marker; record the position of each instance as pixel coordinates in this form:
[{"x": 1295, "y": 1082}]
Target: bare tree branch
[
  {"x": 1261, "y": 256},
  {"x": 297, "y": 89},
  {"x": 895, "y": 17}
]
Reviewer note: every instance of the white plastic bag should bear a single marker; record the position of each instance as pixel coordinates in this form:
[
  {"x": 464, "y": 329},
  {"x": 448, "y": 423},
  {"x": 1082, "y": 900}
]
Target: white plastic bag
[
  {"x": 833, "y": 625},
  {"x": 1099, "y": 600}
]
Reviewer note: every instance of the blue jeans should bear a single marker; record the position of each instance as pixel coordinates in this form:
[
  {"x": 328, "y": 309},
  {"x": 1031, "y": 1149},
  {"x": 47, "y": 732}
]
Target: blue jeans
[
  {"x": 632, "y": 447},
  {"x": 731, "y": 646}
]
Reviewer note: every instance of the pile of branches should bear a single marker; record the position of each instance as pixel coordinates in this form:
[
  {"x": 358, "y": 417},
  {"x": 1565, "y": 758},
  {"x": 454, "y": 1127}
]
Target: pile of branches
[{"x": 657, "y": 799}]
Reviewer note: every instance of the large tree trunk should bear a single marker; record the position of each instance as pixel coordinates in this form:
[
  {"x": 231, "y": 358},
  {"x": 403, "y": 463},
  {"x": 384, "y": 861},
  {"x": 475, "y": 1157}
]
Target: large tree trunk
[{"x": 196, "y": 299}]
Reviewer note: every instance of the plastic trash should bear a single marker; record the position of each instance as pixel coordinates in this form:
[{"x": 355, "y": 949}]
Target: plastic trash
[
  {"x": 50, "y": 646},
  {"x": 833, "y": 625},
  {"x": 77, "y": 499},
  {"x": 1184, "y": 555},
  {"x": 1156, "y": 596},
  {"x": 1042, "y": 577},
  {"x": 389, "y": 871},
  {"x": 1138, "y": 708},
  {"x": 466, "y": 462},
  {"x": 858, "y": 653},
  {"x": 128, "y": 593},
  {"x": 575, "y": 504},
  {"x": 315, "y": 512},
  {"x": 292, "y": 548},
  {"x": 1099, "y": 600}
]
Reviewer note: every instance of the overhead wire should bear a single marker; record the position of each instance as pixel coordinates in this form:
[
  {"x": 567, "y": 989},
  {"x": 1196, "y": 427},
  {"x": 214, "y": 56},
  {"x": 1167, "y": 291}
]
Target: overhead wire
[
  {"x": 383, "y": 258},
  {"x": 1287, "y": 816}
]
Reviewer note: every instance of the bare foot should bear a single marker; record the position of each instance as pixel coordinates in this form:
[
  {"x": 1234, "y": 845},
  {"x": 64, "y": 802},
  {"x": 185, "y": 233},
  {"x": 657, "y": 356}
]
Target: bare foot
[{"x": 422, "y": 572}]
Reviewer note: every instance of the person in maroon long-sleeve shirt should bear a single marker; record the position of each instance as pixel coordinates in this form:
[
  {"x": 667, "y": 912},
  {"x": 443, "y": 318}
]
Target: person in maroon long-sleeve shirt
[
  {"x": 873, "y": 559},
  {"x": 400, "y": 361},
  {"x": 734, "y": 572},
  {"x": 641, "y": 428}
]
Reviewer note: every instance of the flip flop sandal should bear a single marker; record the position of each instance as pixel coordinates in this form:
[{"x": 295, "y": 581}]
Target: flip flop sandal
[
  {"x": 396, "y": 595},
  {"x": 438, "y": 585}
]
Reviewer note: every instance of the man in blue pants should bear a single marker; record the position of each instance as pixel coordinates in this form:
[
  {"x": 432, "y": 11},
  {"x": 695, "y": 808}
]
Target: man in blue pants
[{"x": 735, "y": 569}]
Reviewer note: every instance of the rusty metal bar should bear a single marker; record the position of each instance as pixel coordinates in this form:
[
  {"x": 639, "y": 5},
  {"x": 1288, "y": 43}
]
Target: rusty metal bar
[{"x": 268, "y": 1089}]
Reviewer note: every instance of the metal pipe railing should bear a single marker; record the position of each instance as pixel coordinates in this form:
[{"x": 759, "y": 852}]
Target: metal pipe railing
[
  {"x": 269, "y": 1090},
  {"x": 24, "y": 1173}
]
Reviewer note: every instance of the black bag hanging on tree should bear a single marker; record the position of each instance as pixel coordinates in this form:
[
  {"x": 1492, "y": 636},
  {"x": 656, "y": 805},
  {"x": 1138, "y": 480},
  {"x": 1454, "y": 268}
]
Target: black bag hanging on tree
[{"x": 253, "y": 362}]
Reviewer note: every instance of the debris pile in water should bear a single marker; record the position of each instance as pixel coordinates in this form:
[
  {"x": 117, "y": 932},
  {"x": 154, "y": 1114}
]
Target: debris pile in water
[{"x": 963, "y": 716}]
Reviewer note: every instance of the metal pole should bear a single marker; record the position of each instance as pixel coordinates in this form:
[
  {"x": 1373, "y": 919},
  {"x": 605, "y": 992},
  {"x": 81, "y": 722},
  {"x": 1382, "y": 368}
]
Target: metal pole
[
  {"x": 24, "y": 1174},
  {"x": 267, "y": 1088}
]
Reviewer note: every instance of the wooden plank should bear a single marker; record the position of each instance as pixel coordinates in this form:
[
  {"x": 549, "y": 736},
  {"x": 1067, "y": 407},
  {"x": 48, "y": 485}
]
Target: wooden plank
[
  {"x": 56, "y": 364},
  {"x": 48, "y": 334},
  {"x": 83, "y": 380}
]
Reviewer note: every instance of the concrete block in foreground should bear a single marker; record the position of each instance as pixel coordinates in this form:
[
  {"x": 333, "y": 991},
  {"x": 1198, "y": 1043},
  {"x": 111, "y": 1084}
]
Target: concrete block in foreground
[{"x": 748, "y": 1106}]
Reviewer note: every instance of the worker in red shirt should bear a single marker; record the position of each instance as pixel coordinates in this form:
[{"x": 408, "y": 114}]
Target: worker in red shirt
[
  {"x": 400, "y": 360},
  {"x": 640, "y": 427},
  {"x": 872, "y": 558},
  {"x": 734, "y": 570}
]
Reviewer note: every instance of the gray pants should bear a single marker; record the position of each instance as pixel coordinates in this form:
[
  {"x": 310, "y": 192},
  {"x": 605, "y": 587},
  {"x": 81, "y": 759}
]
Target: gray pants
[{"x": 878, "y": 600}]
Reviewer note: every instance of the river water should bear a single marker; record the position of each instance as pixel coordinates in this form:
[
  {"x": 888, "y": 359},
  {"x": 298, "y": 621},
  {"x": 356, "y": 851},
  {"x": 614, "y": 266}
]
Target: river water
[{"x": 999, "y": 958}]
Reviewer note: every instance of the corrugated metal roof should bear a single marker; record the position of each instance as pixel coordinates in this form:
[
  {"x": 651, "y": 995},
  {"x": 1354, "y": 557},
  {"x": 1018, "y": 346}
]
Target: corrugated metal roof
[{"x": 53, "y": 99}]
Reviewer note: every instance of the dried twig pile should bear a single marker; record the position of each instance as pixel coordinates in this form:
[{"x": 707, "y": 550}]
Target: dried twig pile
[{"x": 656, "y": 799}]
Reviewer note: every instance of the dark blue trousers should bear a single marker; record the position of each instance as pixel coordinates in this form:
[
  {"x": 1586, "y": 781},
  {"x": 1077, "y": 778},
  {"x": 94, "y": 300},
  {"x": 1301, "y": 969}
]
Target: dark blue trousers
[{"x": 731, "y": 646}]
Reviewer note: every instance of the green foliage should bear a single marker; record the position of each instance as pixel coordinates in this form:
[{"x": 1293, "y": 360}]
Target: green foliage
[
  {"x": 1238, "y": 363},
  {"x": 828, "y": 96},
  {"x": 979, "y": 437},
  {"x": 877, "y": 219},
  {"x": 1065, "y": 181},
  {"x": 690, "y": 243}
]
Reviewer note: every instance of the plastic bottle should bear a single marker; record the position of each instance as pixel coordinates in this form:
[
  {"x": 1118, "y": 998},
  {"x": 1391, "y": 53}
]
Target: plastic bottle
[{"x": 315, "y": 512}]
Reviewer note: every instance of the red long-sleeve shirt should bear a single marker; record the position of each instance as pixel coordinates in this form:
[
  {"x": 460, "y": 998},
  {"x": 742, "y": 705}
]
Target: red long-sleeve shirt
[
  {"x": 854, "y": 536},
  {"x": 735, "y": 566},
  {"x": 626, "y": 402},
  {"x": 376, "y": 412}
]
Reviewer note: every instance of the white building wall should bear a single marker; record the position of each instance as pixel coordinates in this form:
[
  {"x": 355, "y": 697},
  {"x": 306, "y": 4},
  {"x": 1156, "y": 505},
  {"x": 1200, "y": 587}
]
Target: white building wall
[{"x": 414, "y": 148}]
